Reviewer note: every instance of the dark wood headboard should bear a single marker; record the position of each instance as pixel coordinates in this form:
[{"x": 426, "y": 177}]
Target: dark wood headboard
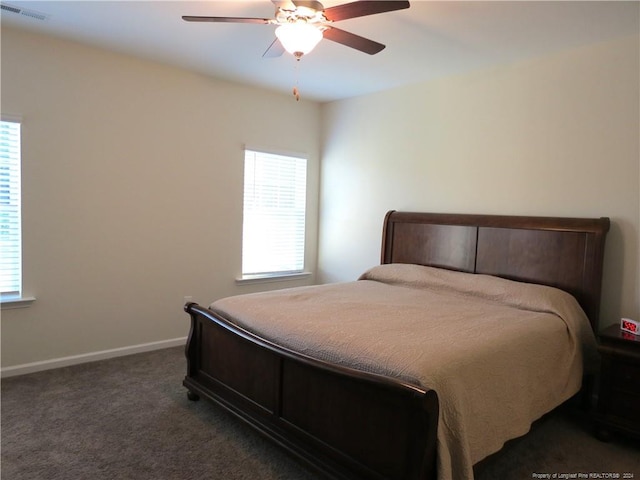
[{"x": 566, "y": 253}]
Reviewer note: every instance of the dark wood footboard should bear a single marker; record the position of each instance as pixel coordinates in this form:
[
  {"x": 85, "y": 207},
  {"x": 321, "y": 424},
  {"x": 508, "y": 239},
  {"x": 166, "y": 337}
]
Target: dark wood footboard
[{"x": 344, "y": 422}]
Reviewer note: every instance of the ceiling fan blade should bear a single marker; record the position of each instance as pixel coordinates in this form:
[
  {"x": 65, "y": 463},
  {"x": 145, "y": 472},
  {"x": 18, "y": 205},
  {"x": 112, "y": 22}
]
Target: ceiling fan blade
[
  {"x": 352, "y": 40},
  {"x": 191, "y": 18},
  {"x": 275, "y": 50},
  {"x": 363, "y": 8}
]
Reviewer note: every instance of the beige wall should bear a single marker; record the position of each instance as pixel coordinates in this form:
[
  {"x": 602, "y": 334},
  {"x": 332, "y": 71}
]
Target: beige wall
[
  {"x": 556, "y": 136},
  {"x": 132, "y": 186}
]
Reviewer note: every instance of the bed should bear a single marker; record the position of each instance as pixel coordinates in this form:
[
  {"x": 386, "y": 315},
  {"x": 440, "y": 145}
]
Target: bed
[{"x": 471, "y": 328}]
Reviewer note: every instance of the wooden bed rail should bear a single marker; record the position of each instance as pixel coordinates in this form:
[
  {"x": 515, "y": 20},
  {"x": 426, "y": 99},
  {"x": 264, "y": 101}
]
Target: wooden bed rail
[{"x": 346, "y": 423}]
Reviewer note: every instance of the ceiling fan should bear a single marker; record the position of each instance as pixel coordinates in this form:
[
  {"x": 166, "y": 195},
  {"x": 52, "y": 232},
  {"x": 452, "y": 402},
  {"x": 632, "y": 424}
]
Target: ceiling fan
[{"x": 303, "y": 23}]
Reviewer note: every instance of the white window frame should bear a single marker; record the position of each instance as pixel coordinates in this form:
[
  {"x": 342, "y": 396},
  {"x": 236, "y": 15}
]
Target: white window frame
[
  {"x": 11, "y": 291},
  {"x": 269, "y": 206}
]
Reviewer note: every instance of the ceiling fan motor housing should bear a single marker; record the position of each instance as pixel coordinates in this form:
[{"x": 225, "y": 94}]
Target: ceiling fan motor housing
[{"x": 304, "y": 11}]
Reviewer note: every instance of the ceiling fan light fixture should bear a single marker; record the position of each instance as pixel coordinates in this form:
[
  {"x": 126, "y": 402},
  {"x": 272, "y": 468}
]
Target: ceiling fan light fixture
[{"x": 298, "y": 38}]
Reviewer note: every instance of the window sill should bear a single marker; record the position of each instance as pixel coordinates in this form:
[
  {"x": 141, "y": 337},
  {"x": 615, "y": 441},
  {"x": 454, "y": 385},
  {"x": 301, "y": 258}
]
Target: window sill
[
  {"x": 274, "y": 277},
  {"x": 16, "y": 302}
]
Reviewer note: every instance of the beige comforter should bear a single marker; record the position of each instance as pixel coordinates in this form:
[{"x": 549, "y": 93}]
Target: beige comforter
[{"x": 499, "y": 353}]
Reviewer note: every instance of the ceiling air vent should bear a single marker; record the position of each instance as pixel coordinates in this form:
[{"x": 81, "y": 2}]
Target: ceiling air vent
[{"x": 6, "y": 8}]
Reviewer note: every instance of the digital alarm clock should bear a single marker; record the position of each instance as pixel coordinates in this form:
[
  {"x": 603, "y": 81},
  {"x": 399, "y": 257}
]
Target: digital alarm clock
[{"x": 630, "y": 326}]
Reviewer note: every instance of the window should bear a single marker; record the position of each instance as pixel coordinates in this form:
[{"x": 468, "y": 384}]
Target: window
[
  {"x": 273, "y": 230},
  {"x": 10, "y": 228}
]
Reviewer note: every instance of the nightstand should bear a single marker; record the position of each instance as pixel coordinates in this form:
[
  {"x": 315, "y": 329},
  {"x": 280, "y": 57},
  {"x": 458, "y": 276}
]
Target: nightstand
[{"x": 619, "y": 393}]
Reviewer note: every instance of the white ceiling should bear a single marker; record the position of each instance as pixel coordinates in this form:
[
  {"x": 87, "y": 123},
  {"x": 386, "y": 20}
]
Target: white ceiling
[{"x": 431, "y": 39}]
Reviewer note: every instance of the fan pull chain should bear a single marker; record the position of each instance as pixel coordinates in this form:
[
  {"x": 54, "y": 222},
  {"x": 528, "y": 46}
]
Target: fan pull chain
[{"x": 296, "y": 92}]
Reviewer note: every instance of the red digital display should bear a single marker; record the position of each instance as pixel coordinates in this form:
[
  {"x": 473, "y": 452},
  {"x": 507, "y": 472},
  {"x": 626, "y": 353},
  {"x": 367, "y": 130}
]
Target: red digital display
[{"x": 630, "y": 326}]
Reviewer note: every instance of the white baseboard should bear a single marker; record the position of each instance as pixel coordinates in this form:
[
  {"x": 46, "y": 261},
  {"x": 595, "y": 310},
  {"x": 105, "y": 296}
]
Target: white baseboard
[{"x": 89, "y": 357}]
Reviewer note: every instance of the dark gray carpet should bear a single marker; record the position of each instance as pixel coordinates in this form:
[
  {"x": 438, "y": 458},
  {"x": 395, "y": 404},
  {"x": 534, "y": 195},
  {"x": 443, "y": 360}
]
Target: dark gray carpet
[{"x": 129, "y": 418}]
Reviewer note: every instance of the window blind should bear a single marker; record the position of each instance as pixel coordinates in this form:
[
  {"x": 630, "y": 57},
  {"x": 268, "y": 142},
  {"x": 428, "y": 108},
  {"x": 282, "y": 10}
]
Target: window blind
[
  {"x": 273, "y": 232},
  {"x": 10, "y": 228}
]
